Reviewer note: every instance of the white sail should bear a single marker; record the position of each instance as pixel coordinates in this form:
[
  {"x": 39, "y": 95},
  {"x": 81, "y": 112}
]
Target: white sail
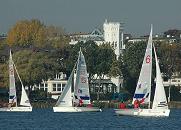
[
  {"x": 160, "y": 101},
  {"x": 65, "y": 98},
  {"x": 24, "y": 98},
  {"x": 81, "y": 89},
  {"x": 143, "y": 89},
  {"x": 12, "y": 88}
]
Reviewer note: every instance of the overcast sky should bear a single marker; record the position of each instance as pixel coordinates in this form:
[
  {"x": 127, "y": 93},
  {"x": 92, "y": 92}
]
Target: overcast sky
[{"x": 85, "y": 15}]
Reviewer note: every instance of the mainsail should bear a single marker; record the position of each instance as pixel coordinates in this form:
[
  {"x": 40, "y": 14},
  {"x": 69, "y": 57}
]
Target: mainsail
[
  {"x": 12, "y": 89},
  {"x": 160, "y": 100},
  {"x": 81, "y": 89},
  {"x": 143, "y": 89}
]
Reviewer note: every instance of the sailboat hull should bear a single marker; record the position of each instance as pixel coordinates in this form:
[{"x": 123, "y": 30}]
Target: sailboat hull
[
  {"x": 76, "y": 109},
  {"x": 17, "y": 109},
  {"x": 143, "y": 112}
]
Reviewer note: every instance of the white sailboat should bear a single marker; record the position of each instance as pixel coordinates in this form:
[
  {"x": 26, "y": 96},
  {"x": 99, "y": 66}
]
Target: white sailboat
[
  {"x": 24, "y": 102},
  {"x": 68, "y": 102},
  {"x": 143, "y": 89}
]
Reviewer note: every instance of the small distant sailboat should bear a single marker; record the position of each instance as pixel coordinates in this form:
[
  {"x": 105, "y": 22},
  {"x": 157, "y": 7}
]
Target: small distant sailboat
[
  {"x": 25, "y": 105},
  {"x": 143, "y": 89},
  {"x": 70, "y": 103}
]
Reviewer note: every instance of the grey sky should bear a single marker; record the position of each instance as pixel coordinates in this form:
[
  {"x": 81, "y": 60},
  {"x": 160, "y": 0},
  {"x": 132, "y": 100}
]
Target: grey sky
[{"x": 85, "y": 15}]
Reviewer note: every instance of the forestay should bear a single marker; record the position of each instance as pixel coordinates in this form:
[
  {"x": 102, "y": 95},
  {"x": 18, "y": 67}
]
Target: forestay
[
  {"x": 65, "y": 98},
  {"x": 160, "y": 101}
]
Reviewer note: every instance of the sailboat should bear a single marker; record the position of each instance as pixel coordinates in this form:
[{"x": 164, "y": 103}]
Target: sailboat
[
  {"x": 25, "y": 105},
  {"x": 143, "y": 89},
  {"x": 68, "y": 101}
]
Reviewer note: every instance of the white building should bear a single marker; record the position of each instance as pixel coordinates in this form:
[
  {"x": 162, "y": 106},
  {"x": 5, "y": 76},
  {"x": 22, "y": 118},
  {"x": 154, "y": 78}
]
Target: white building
[
  {"x": 54, "y": 86},
  {"x": 96, "y": 36},
  {"x": 173, "y": 82},
  {"x": 113, "y": 34}
]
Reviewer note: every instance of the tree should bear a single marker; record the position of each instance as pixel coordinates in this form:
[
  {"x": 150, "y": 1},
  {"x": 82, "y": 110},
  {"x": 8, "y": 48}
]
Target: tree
[
  {"x": 27, "y": 33},
  {"x": 130, "y": 64},
  {"x": 115, "y": 69},
  {"x": 105, "y": 58},
  {"x": 170, "y": 58},
  {"x": 90, "y": 51},
  {"x": 32, "y": 67},
  {"x": 57, "y": 37}
]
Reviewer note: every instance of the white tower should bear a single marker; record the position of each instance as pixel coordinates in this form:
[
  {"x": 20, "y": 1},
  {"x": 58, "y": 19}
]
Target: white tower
[{"x": 113, "y": 34}]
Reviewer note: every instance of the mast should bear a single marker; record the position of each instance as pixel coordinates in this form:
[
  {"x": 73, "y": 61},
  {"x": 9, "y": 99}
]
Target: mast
[{"x": 151, "y": 40}]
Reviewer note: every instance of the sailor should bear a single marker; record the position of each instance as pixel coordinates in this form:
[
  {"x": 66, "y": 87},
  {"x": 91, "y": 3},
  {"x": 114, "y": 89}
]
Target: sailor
[
  {"x": 136, "y": 103},
  {"x": 80, "y": 102},
  {"x": 89, "y": 105},
  {"x": 122, "y": 105}
]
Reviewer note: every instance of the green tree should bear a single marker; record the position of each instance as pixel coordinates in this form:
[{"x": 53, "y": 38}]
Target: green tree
[
  {"x": 170, "y": 58},
  {"x": 90, "y": 51},
  {"x": 115, "y": 69},
  {"x": 32, "y": 67},
  {"x": 130, "y": 64},
  {"x": 105, "y": 58}
]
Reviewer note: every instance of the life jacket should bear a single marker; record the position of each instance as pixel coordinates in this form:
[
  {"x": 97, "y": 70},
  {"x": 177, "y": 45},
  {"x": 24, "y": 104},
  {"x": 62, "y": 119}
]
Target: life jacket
[
  {"x": 136, "y": 103},
  {"x": 80, "y": 102},
  {"x": 122, "y": 106}
]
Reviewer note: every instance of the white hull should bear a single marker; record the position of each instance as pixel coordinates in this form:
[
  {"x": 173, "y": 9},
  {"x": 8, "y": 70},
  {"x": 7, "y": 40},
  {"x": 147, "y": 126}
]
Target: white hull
[
  {"x": 76, "y": 109},
  {"x": 17, "y": 109},
  {"x": 143, "y": 112}
]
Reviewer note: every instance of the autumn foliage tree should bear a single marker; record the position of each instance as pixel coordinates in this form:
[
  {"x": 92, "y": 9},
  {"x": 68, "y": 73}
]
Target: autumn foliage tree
[{"x": 26, "y": 33}]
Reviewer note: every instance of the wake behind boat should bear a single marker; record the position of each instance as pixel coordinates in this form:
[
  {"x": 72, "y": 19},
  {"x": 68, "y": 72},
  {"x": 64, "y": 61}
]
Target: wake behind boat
[
  {"x": 80, "y": 100},
  {"x": 25, "y": 105},
  {"x": 143, "y": 89}
]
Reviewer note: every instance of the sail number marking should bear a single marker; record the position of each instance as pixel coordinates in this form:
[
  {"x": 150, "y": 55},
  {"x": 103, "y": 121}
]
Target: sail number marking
[
  {"x": 11, "y": 71},
  {"x": 148, "y": 59},
  {"x": 83, "y": 80}
]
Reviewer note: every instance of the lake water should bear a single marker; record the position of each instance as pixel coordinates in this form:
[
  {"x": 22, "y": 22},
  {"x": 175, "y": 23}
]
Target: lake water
[{"x": 45, "y": 119}]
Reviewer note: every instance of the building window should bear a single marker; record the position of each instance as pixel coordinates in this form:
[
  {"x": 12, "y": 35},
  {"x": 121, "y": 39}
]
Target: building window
[
  {"x": 54, "y": 87},
  {"x": 41, "y": 88},
  {"x": 96, "y": 89},
  {"x": 63, "y": 86},
  {"x": 174, "y": 80},
  {"x": 58, "y": 87},
  {"x": 115, "y": 45},
  {"x": 112, "y": 44}
]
